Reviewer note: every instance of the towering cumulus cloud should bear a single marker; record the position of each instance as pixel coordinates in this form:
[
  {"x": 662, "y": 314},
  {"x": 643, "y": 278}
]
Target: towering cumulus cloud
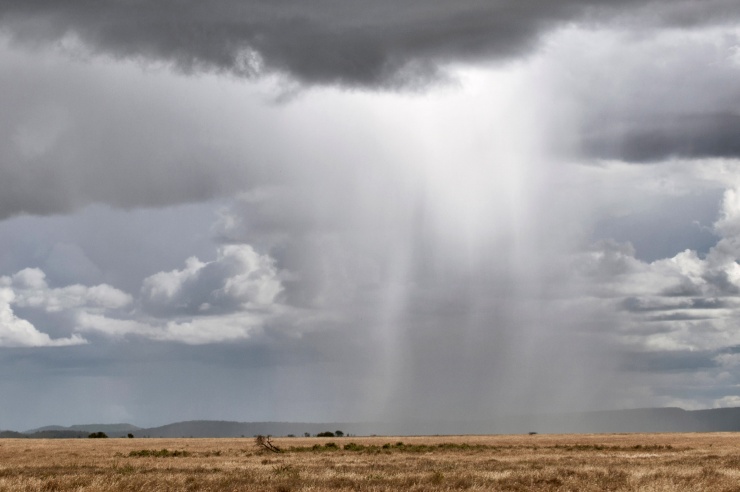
[{"x": 238, "y": 279}]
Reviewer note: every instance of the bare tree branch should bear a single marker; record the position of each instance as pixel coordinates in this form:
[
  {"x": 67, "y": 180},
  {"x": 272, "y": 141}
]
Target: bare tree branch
[{"x": 265, "y": 442}]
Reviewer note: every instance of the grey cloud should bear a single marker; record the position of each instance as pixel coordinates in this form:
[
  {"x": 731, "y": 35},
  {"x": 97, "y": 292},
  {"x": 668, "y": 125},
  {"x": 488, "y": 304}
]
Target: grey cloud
[
  {"x": 67, "y": 132},
  {"x": 723, "y": 282},
  {"x": 669, "y": 361},
  {"x": 671, "y": 136},
  {"x": 650, "y": 96},
  {"x": 731, "y": 350},
  {"x": 112, "y": 133},
  {"x": 638, "y": 305},
  {"x": 608, "y": 259},
  {"x": 677, "y": 317},
  {"x": 86, "y": 135},
  {"x": 370, "y": 44},
  {"x": 684, "y": 288}
]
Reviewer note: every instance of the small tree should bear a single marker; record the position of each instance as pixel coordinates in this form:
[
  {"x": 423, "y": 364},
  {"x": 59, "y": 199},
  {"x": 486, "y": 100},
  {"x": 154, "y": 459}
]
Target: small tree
[
  {"x": 339, "y": 433},
  {"x": 325, "y": 434},
  {"x": 98, "y": 435},
  {"x": 130, "y": 436},
  {"x": 265, "y": 442}
]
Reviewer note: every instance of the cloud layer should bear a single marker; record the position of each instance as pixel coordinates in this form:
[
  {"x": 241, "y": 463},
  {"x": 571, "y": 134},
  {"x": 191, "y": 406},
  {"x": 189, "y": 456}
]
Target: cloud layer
[{"x": 382, "y": 44}]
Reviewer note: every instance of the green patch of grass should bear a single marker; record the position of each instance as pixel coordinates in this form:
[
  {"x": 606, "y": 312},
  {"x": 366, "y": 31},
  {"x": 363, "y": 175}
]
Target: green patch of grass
[
  {"x": 389, "y": 447},
  {"x": 601, "y": 447},
  {"x": 162, "y": 453}
]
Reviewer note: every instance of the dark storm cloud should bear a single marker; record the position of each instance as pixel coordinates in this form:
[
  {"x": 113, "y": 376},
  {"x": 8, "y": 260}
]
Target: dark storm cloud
[
  {"x": 353, "y": 43},
  {"x": 653, "y": 95},
  {"x": 672, "y": 136},
  {"x": 97, "y": 137}
]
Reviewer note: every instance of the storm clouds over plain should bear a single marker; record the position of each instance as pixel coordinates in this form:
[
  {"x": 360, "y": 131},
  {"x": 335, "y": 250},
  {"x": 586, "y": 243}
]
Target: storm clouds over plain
[{"x": 344, "y": 210}]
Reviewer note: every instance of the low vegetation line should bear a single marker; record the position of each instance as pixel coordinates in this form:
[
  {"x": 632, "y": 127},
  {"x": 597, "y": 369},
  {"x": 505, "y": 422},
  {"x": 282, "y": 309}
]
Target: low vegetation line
[
  {"x": 162, "y": 453},
  {"x": 447, "y": 447}
]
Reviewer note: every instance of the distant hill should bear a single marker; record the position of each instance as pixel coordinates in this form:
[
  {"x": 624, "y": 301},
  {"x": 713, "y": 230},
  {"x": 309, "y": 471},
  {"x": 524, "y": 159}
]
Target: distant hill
[
  {"x": 637, "y": 420},
  {"x": 77, "y": 431},
  {"x": 112, "y": 428},
  {"x": 212, "y": 428}
]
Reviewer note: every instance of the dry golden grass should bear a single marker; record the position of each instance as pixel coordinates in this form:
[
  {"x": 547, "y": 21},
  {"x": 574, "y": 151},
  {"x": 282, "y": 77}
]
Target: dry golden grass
[{"x": 650, "y": 462}]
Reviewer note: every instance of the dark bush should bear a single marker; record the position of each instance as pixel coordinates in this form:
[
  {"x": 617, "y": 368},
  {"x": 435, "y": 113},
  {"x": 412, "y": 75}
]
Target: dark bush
[{"x": 163, "y": 453}]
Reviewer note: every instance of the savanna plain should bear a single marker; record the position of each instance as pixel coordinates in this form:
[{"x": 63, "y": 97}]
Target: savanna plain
[{"x": 651, "y": 462}]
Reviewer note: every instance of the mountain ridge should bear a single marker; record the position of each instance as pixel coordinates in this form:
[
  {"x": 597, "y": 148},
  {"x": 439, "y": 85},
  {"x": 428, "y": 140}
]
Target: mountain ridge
[{"x": 667, "y": 419}]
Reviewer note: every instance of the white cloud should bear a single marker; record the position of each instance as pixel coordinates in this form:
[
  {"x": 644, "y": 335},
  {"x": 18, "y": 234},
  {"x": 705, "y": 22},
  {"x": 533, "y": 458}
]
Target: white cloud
[
  {"x": 229, "y": 298},
  {"x": 196, "y": 331},
  {"x": 238, "y": 279},
  {"x": 18, "y": 332},
  {"x": 28, "y": 289},
  {"x": 32, "y": 290},
  {"x": 728, "y": 401},
  {"x": 686, "y": 302}
]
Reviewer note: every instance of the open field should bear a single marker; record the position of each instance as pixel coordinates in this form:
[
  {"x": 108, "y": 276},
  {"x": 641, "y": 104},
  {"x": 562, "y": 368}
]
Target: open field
[{"x": 653, "y": 462}]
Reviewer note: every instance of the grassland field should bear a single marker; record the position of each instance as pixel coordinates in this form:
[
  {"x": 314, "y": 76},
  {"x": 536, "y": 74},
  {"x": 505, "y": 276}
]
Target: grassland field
[{"x": 592, "y": 462}]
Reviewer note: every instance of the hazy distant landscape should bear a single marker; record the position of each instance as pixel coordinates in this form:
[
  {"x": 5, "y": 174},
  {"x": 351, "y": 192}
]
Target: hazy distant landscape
[{"x": 648, "y": 420}]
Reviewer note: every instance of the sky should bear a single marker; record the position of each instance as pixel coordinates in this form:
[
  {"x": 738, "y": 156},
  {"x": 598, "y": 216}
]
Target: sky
[{"x": 340, "y": 210}]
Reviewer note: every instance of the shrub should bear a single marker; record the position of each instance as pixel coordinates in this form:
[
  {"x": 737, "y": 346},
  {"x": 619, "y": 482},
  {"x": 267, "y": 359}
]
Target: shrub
[
  {"x": 325, "y": 434},
  {"x": 98, "y": 435},
  {"x": 163, "y": 453},
  {"x": 354, "y": 447}
]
